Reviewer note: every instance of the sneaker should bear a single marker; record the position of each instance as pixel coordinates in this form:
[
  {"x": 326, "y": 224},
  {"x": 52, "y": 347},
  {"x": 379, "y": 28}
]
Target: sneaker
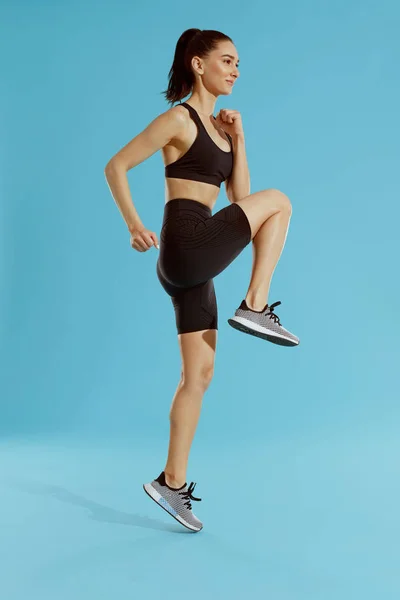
[
  {"x": 175, "y": 501},
  {"x": 264, "y": 324}
]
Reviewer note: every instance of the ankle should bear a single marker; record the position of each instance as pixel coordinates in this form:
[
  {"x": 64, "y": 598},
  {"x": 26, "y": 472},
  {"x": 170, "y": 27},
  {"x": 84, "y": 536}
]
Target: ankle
[
  {"x": 256, "y": 303},
  {"x": 173, "y": 480}
]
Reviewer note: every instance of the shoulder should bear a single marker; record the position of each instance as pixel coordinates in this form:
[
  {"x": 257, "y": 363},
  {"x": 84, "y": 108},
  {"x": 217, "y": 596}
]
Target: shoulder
[
  {"x": 173, "y": 117},
  {"x": 175, "y": 120},
  {"x": 178, "y": 114}
]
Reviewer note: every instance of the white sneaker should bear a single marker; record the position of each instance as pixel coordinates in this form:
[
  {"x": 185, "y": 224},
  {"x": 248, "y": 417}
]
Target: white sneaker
[{"x": 264, "y": 324}]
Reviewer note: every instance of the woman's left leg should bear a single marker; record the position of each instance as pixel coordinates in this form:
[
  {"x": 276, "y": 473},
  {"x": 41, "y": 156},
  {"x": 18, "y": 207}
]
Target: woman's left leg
[{"x": 198, "y": 357}]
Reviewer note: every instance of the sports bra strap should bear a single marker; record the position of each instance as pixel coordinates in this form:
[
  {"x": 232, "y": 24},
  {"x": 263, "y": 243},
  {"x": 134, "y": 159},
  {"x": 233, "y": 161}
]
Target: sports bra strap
[
  {"x": 193, "y": 112},
  {"x": 196, "y": 117}
]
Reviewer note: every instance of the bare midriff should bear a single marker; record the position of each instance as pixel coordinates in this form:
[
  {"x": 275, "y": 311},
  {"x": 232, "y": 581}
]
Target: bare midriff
[{"x": 205, "y": 193}]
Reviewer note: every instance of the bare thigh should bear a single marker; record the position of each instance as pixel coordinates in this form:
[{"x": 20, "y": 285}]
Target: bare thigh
[
  {"x": 198, "y": 356},
  {"x": 262, "y": 205}
]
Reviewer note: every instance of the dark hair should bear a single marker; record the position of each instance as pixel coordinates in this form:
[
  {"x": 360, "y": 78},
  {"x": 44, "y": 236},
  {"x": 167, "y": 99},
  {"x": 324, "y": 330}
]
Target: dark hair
[{"x": 193, "y": 42}]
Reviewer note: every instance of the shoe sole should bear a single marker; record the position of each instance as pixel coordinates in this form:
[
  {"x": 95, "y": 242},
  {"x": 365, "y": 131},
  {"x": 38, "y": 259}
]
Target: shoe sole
[
  {"x": 247, "y": 326},
  {"x": 156, "y": 496}
]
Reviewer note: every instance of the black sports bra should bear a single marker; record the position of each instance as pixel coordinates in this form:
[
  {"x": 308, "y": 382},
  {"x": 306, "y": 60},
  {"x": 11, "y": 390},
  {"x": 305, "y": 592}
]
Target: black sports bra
[{"x": 204, "y": 161}]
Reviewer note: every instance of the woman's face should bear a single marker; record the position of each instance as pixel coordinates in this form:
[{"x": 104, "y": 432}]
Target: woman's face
[{"x": 220, "y": 68}]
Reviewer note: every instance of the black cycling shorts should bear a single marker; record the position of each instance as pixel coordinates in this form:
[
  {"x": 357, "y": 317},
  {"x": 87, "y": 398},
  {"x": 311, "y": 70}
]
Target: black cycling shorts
[{"x": 195, "y": 246}]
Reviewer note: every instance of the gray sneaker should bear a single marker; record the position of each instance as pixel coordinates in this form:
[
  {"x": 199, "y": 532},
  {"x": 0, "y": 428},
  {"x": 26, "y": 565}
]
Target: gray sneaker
[
  {"x": 264, "y": 324},
  {"x": 175, "y": 501}
]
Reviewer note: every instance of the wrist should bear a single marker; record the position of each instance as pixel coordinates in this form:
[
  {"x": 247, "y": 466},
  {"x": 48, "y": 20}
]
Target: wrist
[
  {"x": 238, "y": 138},
  {"x": 134, "y": 226}
]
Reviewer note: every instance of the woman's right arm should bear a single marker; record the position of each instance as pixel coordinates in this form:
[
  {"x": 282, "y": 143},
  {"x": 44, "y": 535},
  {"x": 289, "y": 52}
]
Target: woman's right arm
[{"x": 157, "y": 134}]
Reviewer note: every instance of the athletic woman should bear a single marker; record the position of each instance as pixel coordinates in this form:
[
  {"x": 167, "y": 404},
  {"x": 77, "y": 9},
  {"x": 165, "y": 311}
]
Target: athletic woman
[{"x": 200, "y": 152}]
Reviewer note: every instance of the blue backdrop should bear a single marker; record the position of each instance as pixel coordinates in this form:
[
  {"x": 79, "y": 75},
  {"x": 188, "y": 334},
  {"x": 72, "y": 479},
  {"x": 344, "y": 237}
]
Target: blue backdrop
[{"x": 89, "y": 347}]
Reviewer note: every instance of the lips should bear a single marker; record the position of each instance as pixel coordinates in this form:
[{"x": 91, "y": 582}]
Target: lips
[{"x": 229, "y": 81}]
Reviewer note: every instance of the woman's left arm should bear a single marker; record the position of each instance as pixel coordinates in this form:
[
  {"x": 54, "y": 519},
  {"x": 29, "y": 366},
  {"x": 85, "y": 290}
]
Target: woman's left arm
[{"x": 238, "y": 184}]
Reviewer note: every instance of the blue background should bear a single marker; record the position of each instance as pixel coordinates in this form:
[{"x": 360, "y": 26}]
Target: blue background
[{"x": 296, "y": 454}]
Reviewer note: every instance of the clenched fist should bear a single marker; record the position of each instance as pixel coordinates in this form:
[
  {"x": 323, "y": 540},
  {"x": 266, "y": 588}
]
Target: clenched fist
[
  {"x": 230, "y": 121},
  {"x": 143, "y": 239}
]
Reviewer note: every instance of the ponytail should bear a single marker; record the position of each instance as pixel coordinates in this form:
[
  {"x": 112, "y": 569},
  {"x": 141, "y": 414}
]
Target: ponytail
[{"x": 193, "y": 42}]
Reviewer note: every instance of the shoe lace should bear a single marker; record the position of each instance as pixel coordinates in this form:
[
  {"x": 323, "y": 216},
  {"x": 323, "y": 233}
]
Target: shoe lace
[
  {"x": 187, "y": 494},
  {"x": 270, "y": 313}
]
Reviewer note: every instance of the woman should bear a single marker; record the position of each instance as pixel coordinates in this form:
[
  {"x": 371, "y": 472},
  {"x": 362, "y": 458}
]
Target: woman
[{"x": 200, "y": 152}]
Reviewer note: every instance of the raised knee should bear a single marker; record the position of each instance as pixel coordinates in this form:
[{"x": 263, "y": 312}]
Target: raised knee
[{"x": 282, "y": 200}]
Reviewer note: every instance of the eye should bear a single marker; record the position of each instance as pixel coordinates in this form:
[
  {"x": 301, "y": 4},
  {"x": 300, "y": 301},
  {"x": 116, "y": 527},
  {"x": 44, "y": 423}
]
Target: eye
[{"x": 229, "y": 60}]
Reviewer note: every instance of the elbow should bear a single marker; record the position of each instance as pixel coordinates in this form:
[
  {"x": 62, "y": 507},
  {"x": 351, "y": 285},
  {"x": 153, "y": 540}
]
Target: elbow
[{"x": 111, "y": 165}]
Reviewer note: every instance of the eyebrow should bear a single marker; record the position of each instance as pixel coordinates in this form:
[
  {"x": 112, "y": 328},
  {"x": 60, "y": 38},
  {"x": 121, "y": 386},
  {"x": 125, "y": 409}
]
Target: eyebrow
[{"x": 230, "y": 56}]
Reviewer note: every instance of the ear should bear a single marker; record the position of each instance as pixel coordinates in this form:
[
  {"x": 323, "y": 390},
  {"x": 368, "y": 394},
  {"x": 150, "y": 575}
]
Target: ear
[{"x": 197, "y": 65}]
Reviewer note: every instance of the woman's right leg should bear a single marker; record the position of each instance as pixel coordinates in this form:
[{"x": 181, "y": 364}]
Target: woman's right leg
[
  {"x": 198, "y": 355},
  {"x": 268, "y": 213}
]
